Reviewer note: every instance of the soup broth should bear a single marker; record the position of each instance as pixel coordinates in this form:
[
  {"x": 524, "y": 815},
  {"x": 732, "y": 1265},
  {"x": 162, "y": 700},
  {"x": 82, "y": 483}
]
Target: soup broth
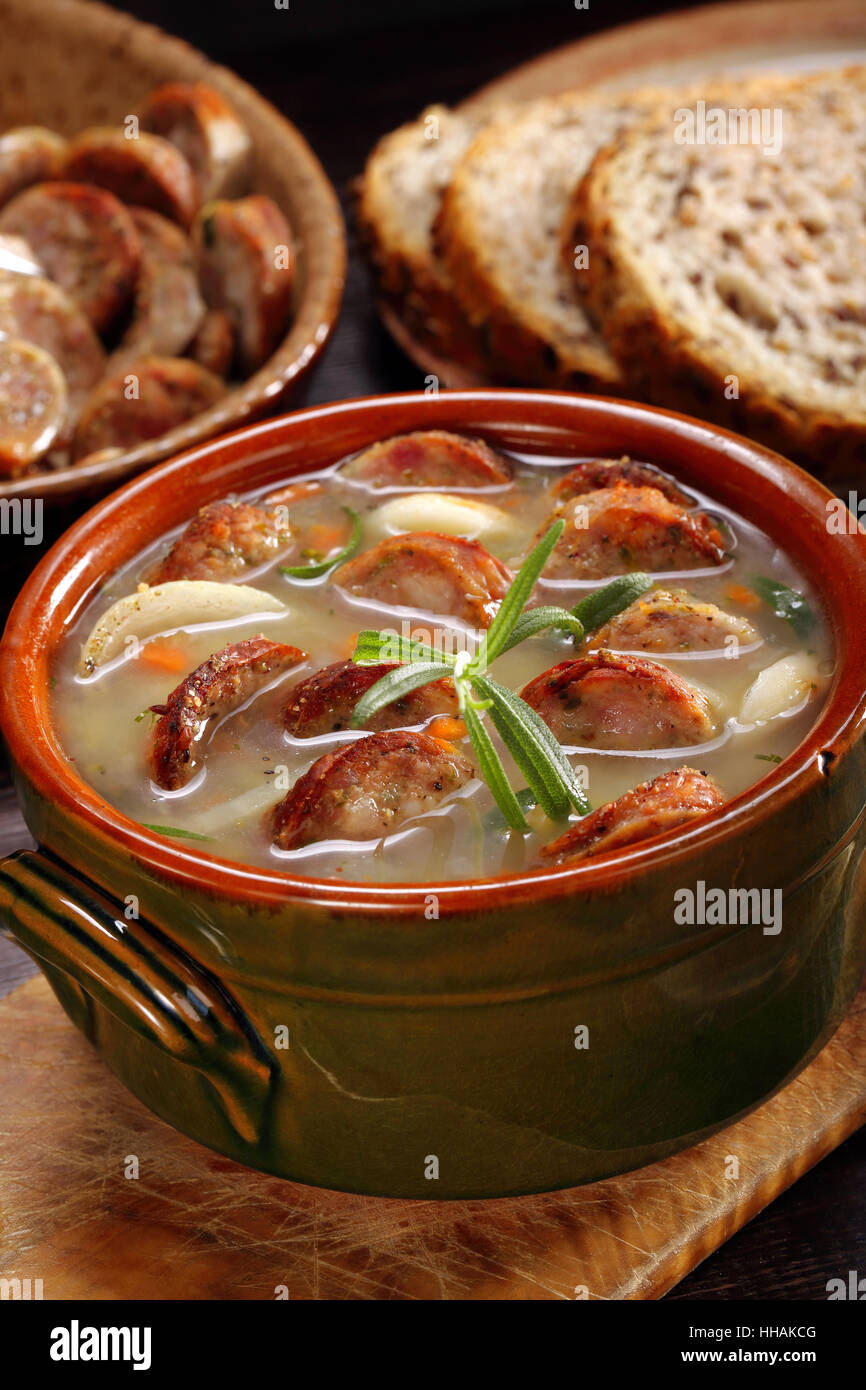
[{"x": 250, "y": 762}]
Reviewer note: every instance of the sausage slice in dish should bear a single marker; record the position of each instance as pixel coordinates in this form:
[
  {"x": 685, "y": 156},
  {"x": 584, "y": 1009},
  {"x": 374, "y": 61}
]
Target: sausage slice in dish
[
  {"x": 222, "y": 683},
  {"x": 668, "y": 801},
  {"x": 368, "y": 789}
]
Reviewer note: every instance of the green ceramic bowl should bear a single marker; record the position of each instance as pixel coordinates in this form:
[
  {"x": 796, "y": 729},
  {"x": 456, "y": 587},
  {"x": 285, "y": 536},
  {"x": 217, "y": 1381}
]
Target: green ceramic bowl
[{"x": 435, "y": 1056}]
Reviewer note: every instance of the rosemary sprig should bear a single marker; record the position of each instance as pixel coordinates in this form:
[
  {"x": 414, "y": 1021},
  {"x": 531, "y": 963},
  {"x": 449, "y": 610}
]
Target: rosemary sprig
[
  {"x": 599, "y": 607},
  {"x": 399, "y": 683},
  {"x": 551, "y": 780}
]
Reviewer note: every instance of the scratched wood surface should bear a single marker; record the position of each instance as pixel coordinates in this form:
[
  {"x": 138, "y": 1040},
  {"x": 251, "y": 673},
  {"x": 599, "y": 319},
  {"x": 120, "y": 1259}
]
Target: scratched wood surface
[{"x": 193, "y": 1225}]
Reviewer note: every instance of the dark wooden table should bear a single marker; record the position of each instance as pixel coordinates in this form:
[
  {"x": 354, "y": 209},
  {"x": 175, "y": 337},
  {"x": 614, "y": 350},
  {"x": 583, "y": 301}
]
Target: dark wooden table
[{"x": 345, "y": 84}]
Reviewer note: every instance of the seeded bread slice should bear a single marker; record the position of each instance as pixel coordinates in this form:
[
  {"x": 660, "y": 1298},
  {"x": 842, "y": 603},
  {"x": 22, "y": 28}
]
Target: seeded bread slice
[
  {"x": 498, "y": 234},
  {"x": 397, "y": 199},
  {"x": 731, "y": 283}
]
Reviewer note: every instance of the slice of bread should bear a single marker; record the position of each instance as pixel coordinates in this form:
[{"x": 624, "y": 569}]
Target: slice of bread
[
  {"x": 498, "y": 235},
  {"x": 731, "y": 283},
  {"x": 397, "y": 199}
]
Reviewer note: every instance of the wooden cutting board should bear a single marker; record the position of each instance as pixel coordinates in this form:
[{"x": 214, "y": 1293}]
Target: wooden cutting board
[{"x": 193, "y": 1225}]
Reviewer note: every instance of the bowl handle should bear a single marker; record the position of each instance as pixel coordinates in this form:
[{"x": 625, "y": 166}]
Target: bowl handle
[{"x": 142, "y": 978}]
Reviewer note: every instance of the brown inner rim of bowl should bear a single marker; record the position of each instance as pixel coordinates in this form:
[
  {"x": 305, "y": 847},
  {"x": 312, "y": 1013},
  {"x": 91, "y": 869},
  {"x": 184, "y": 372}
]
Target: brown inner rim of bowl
[{"x": 783, "y": 500}]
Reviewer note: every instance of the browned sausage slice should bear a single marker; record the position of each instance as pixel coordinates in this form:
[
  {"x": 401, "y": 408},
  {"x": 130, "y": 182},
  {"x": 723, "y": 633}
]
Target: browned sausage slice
[
  {"x": 246, "y": 264},
  {"x": 368, "y": 789},
  {"x": 324, "y": 702},
  {"x": 214, "y": 344},
  {"x": 199, "y": 122},
  {"x": 623, "y": 528},
  {"x": 666, "y": 802},
  {"x": 143, "y": 400},
  {"x": 28, "y": 154},
  {"x": 146, "y": 171},
  {"x": 168, "y": 308},
  {"x": 433, "y": 573},
  {"x": 222, "y": 683},
  {"x": 594, "y": 474},
  {"x": 84, "y": 238},
  {"x": 40, "y": 312},
  {"x": 670, "y": 620},
  {"x": 608, "y": 701},
  {"x": 429, "y": 458},
  {"x": 227, "y": 539},
  {"x": 32, "y": 404},
  {"x": 223, "y": 542}
]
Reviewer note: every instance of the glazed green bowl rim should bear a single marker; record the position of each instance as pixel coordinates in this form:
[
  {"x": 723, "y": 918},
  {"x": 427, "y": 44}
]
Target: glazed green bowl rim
[{"x": 768, "y": 490}]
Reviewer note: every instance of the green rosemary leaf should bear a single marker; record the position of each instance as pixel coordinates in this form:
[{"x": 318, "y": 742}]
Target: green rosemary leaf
[
  {"x": 494, "y": 820},
  {"x": 373, "y": 647},
  {"x": 393, "y": 686},
  {"x": 520, "y": 738},
  {"x": 491, "y": 769},
  {"x": 599, "y": 607},
  {"x": 514, "y": 602},
  {"x": 529, "y": 734},
  {"x": 538, "y": 620}
]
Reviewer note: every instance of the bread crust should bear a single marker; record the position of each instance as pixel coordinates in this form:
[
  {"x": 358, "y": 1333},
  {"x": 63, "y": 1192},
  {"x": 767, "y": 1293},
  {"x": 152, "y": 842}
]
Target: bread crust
[
  {"x": 660, "y": 353},
  {"x": 522, "y": 340},
  {"x": 409, "y": 276}
]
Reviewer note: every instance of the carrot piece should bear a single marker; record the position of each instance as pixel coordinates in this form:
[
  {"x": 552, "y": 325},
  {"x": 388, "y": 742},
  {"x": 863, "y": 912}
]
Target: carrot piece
[
  {"x": 164, "y": 658},
  {"x": 738, "y": 593},
  {"x": 325, "y": 538},
  {"x": 446, "y": 728}
]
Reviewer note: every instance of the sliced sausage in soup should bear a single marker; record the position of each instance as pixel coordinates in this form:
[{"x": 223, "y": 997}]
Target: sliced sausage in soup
[
  {"x": 623, "y": 528},
  {"x": 227, "y": 539},
  {"x": 610, "y": 701},
  {"x": 722, "y": 668},
  {"x": 438, "y": 574},
  {"x": 668, "y": 801},
  {"x": 368, "y": 789},
  {"x": 671, "y": 620},
  {"x": 429, "y": 458},
  {"x": 595, "y": 474},
  {"x": 223, "y": 542},
  {"x": 325, "y": 701},
  {"x": 222, "y": 683}
]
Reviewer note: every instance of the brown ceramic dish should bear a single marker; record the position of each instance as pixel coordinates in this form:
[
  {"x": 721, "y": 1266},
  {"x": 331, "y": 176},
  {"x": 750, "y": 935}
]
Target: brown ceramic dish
[
  {"x": 68, "y": 65},
  {"x": 453, "y": 1036}
]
